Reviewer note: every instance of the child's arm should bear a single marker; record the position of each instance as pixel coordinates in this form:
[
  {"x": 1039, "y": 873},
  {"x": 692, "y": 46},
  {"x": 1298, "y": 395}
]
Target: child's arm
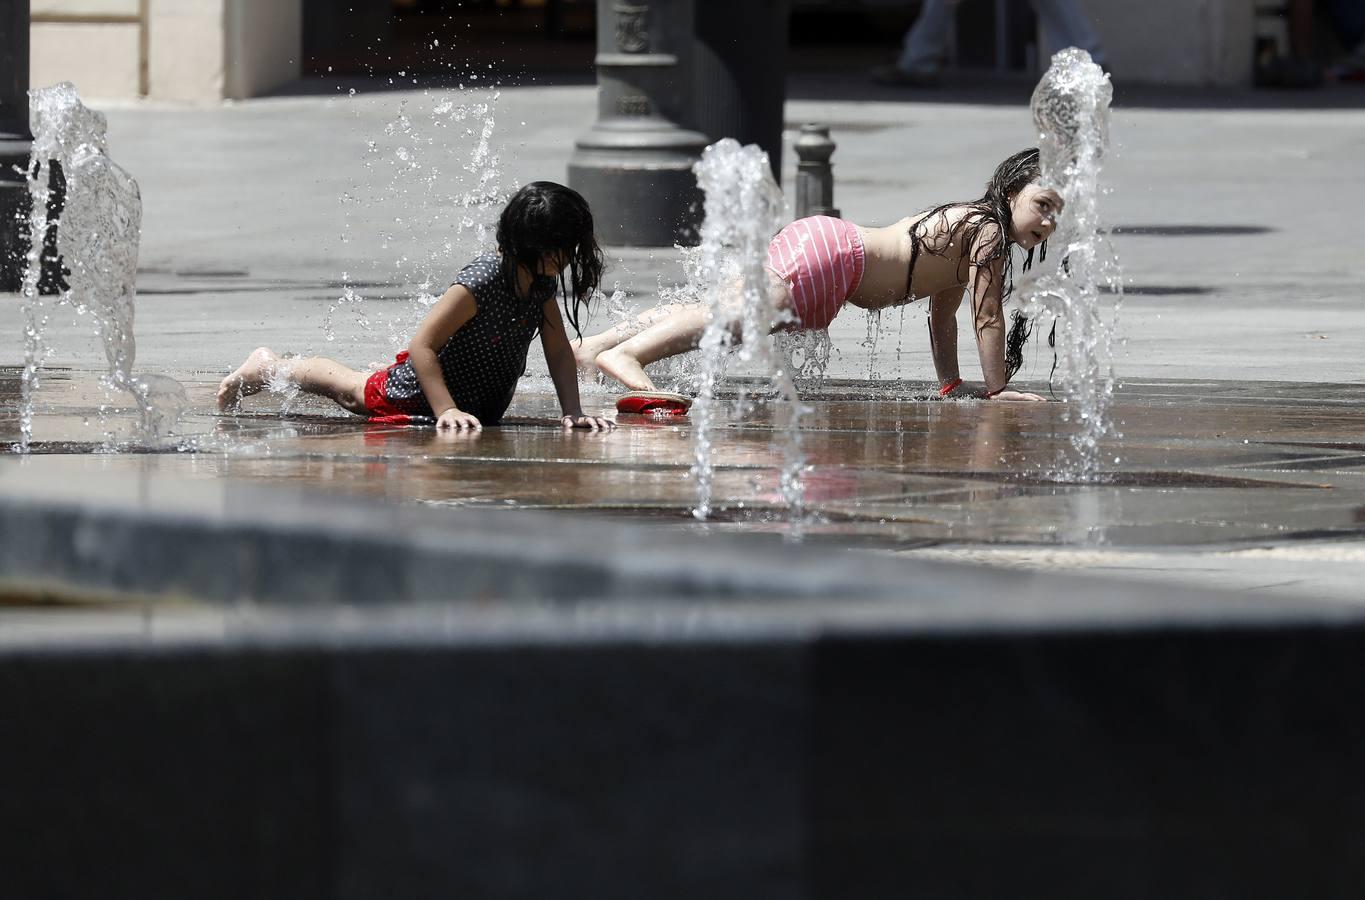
[
  {"x": 559, "y": 357},
  {"x": 943, "y": 336},
  {"x": 448, "y": 315},
  {"x": 985, "y": 281}
]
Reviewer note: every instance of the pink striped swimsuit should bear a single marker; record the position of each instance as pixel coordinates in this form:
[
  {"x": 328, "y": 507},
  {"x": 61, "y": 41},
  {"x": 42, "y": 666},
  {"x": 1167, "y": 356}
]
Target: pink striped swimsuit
[{"x": 822, "y": 259}]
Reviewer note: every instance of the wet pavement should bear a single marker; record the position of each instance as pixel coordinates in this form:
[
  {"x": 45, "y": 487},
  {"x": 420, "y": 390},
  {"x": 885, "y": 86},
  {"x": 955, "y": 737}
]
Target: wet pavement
[
  {"x": 1207, "y": 465},
  {"x": 258, "y": 216}
]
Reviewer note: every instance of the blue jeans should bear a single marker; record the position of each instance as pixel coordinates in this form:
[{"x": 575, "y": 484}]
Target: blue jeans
[{"x": 1063, "y": 24}]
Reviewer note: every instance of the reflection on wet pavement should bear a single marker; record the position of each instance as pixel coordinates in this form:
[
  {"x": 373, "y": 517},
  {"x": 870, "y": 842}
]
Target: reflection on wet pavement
[{"x": 1197, "y": 463}]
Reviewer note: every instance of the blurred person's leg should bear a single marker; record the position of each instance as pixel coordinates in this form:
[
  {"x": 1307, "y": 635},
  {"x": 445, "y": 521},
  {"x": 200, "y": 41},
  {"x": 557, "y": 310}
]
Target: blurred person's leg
[
  {"x": 927, "y": 40},
  {"x": 1347, "y": 18},
  {"x": 922, "y": 52},
  {"x": 1066, "y": 25}
]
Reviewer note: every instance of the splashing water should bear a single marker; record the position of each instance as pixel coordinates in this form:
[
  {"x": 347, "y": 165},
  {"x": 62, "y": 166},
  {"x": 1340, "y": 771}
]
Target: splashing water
[
  {"x": 448, "y": 197},
  {"x": 97, "y": 238},
  {"x": 874, "y": 333},
  {"x": 1071, "y": 112},
  {"x": 743, "y": 209},
  {"x": 806, "y": 356}
]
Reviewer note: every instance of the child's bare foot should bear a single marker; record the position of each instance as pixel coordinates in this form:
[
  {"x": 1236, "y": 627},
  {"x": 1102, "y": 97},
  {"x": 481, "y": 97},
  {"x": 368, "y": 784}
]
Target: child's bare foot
[
  {"x": 249, "y": 378},
  {"x": 587, "y": 349},
  {"x": 625, "y": 369}
]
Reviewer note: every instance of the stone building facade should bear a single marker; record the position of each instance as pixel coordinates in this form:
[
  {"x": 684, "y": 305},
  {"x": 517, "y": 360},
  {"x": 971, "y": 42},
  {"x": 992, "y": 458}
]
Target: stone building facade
[
  {"x": 205, "y": 51},
  {"x": 198, "y": 51}
]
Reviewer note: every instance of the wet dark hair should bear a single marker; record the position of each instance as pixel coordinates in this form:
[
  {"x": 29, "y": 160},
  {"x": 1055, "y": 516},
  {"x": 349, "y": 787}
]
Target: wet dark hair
[
  {"x": 548, "y": 219},
  {"x": 991, "y": 211}
]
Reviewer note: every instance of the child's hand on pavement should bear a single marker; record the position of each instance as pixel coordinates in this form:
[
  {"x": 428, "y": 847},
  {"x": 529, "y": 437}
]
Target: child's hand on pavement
[
  {"x": 458, "y": 420},
  {"x": 1019, "y": 395},
  {"x": 593, "y": 423}
]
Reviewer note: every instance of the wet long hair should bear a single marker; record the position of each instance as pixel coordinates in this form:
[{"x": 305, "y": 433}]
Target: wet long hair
[
  {"x": 548, "y": 219},
  {"x": 991, "y": 211}
]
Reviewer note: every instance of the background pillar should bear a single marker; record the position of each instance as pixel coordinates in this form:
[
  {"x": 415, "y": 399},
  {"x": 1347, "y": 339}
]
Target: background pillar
[
  {"x": 16, "y": 142},
  {"x": 635, "y": 165},
  {"x": 739, "y": 81},
  {"x": 672, "y": 77}
]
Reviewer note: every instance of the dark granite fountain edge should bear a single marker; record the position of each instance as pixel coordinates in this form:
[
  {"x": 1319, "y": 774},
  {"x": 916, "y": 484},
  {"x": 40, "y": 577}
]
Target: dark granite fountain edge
[
  {"x": 152, "y": 537},
  {"x": 678, "y": 757}
]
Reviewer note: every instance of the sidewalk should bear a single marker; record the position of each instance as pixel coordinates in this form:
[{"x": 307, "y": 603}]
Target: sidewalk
[{"x": 1231, "y": 225}]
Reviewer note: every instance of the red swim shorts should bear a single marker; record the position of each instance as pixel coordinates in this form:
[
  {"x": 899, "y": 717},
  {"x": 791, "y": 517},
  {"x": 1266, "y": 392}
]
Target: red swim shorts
[
  {"x": 377, "y": 398},
  {"x": 822, "y": 259}
]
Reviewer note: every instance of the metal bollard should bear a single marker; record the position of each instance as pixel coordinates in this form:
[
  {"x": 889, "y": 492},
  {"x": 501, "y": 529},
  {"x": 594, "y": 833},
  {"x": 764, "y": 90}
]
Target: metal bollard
[{"x": 814, "y": 174}]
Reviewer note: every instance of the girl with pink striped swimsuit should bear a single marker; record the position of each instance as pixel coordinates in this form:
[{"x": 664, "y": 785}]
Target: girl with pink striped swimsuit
[{"x": 819, "y": 264}]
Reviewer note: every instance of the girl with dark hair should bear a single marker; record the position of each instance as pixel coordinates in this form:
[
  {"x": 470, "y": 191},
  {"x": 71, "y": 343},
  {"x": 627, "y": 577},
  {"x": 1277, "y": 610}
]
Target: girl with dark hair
[
  {"x": 463, "y": 364},
  {"x": 818, "y": 264}
]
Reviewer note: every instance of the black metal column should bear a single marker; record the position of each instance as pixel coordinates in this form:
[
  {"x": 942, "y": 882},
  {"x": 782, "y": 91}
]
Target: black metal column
[
  {"x": 739, "y": 73},
  {"x": 15, "y": 142},
  {"x": 635, "y": 165}
]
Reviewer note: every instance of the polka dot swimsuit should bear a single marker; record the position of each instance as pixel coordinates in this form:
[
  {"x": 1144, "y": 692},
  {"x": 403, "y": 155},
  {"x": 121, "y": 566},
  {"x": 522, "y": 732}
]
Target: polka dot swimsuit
[{"x": 484, "y": 359}]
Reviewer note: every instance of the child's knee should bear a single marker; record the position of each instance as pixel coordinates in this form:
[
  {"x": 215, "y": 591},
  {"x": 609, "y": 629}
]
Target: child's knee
[{"x": 353, "y": 398}]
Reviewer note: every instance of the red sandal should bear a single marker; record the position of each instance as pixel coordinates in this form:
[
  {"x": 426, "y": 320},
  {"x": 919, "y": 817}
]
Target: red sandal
[{"x": 653, "y": 402}]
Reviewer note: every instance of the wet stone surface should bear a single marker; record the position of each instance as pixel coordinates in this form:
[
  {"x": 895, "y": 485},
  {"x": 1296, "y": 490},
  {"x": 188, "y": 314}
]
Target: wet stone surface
[{"x": 1195, "y": 464}]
